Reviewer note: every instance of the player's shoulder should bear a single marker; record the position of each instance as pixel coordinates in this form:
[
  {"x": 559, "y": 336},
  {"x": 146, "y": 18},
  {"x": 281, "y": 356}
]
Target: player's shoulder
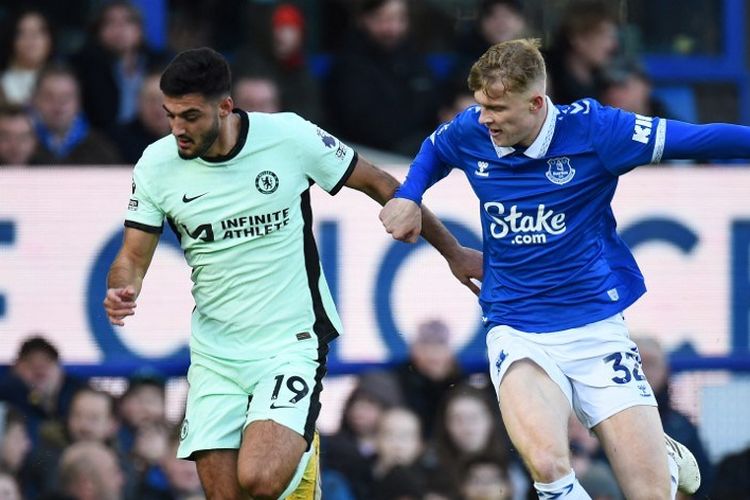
[
  {"x": 281, "y": 121},
  {"x": 584, "y": 117}
]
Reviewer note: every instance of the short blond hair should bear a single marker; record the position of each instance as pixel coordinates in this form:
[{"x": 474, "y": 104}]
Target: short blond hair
[{"x": 517, "y": 64}]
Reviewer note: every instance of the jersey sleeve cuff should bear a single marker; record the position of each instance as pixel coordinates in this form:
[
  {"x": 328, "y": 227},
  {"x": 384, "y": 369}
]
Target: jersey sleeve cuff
[
  {"x": 346, "y": 175},
  {"x": 144, "y": 227},
  {"x": 407, "y": 195}
]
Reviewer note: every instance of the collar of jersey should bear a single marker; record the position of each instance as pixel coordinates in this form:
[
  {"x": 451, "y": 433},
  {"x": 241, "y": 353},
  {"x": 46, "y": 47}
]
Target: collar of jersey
[
  {"x": 541, "y": 144},
  {"x": 241, "y": 139}
]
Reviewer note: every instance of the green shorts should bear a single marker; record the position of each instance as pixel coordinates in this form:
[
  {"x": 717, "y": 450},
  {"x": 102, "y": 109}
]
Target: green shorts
[{"x": 224, "y": 397}]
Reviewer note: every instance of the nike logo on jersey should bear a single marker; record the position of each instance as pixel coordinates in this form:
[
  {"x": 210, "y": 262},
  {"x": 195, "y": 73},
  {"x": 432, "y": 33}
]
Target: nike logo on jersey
[
  {"x": 185, "y": 198},
  {"x": 274, "y": 406}
]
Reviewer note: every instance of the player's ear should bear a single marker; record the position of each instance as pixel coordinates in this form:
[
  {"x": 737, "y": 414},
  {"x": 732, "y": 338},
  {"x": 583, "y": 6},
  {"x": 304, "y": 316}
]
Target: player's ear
[
  {"x": 536, "y": 103},
  {"x": 226, "y": 105}
]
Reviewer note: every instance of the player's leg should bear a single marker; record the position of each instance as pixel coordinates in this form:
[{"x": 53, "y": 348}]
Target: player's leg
[
  {"x": 633, "y": 440},
  {"x": 269, "y": 457},
  {"x": 217, "y": 470},
  {"x": 211, "y": 431},
  {"x": 535, "y": 412},
  {"x": 536, "y": 400},
  {"x": 278, "y": 442}
]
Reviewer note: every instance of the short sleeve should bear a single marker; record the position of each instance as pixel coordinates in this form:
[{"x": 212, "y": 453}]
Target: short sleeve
[
  {"x": 324, "y": 159},
  {"x": 142, "y": 212},
  {"x": 625, "y": 140}
]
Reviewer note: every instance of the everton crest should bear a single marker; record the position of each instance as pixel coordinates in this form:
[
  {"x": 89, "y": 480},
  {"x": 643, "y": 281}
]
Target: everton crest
[{"x": 560, "y": 170}]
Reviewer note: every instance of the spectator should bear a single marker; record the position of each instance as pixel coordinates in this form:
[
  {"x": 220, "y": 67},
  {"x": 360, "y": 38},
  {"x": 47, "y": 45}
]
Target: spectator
[
  {"x": 584, "y": 47},
  {"x": 257, "y": 93},
  {"x": 627, "y": 86},
  {"x": 381, "y": 92},
  {"x": 676, "y": 425},
  {"x": 14, "y": 439},
  {"x": 171, "y": 478},
  {"x": 28, "y": 50},
  {"x": 113, "y": 65},
  {"x": 90, "y": 471},
  {"x": 63, "y": 132},
  {"x": 9, "y": 489},
  {"x": 37, "y": 385},
  {"x": 429, "y": 373},
  {"x": 497, "y": 21},
  {"x": 468, "y": 426},
  {"x": 283, "y": 59},
  {"x": 485, "y": 479},
  {"x": 149, "y": 125},
  {"x": 91, "y": 419},
  {"x": 17, "y": 138},
  {"x": 351, "y": 450},
  {"x": 399, "y": 441}
]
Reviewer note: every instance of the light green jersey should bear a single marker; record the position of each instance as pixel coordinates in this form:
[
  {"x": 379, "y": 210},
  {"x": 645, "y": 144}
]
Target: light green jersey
[{"x": 245, "y": 224}]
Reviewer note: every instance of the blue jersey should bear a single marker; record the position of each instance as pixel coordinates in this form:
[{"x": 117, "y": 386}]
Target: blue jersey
[{"x": 552, "y": 256}]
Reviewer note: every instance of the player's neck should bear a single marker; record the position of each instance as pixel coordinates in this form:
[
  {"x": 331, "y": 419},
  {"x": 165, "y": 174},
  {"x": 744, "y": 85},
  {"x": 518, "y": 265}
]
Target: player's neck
[{"x": 229, "y": 134}]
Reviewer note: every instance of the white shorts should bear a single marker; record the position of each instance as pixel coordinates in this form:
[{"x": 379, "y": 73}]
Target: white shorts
[{"x": 597, "y": 366}]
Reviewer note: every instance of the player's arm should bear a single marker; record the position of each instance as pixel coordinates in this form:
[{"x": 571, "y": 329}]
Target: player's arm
[
  {"x": 401, "y": 216},
  {"x": 705, "y": 142},
  {"x": 126, "y": 274},
  {"x": 465, "y": 263}
]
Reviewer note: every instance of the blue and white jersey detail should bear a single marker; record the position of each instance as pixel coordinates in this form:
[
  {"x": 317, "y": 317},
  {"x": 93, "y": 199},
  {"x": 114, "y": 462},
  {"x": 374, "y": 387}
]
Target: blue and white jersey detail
[{"x": 553, "y": 259}]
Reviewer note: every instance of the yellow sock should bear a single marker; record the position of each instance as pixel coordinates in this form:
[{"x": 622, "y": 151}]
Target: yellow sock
[{"x": 309, "y": 486}]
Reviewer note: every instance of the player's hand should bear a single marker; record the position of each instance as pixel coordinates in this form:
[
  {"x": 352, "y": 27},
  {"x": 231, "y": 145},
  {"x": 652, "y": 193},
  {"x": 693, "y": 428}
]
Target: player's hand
[
  {"x": 466, "y": 266},
  {"x": 402, "y": 219},
  {"x": 119, "y": 304}
]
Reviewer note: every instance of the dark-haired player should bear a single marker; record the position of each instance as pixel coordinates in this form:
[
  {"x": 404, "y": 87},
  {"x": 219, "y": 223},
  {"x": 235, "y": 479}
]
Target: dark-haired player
[{"x": 234, "y": 186}]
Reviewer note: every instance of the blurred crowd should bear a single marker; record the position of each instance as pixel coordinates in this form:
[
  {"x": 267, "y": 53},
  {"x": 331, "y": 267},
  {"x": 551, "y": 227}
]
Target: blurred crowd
[
  {"x": 383, "y": 73},
  {"x": 77, "y": 93},
  {"x": 422, "y": 430}
]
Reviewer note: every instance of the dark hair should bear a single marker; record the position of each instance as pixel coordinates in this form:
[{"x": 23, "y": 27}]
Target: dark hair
[
  {"x": 97, "y": 21},
  {"x": 37, "y": 343},
  {"x": 197, "y": 71},
  {"x": 10, "y": 32},
  {"x": 486, "y": 7},
  {"x": 369, "y": 6}
]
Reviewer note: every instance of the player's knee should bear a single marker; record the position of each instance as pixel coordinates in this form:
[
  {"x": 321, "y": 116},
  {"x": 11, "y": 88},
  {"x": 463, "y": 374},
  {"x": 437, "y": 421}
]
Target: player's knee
[
  {"x": 260, "y": 484},
  {"x": 546, "y": 466}
]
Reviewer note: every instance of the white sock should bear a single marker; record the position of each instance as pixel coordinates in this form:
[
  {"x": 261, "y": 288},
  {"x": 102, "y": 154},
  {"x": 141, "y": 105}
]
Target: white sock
[
  {"x": 567, "y": 488},
  {"x": 674, "y": 472}
]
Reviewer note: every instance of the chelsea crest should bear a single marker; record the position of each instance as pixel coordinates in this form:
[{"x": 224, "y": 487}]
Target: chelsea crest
[{"x": 560, "y": 170}]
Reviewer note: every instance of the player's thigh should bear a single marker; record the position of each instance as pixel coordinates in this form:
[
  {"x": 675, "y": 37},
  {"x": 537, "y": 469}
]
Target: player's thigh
[
  {"x": 215, "y": 413},
  {"x": 269, "y": 456},
  {"x": 217, "y": 470},
  {"x": 282, "y": 413},
  {"x": 633, "y": 440},
  {"x": 534, "y": 408},
  {"x": 535, "y": 396}
]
